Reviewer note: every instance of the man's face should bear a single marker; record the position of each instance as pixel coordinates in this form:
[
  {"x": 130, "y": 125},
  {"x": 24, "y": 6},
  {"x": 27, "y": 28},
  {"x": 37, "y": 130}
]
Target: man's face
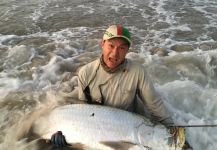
[{"x": 114, "y": 51}]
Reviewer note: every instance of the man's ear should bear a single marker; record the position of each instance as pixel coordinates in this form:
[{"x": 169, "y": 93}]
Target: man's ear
[{"x": 102, "y": 43}]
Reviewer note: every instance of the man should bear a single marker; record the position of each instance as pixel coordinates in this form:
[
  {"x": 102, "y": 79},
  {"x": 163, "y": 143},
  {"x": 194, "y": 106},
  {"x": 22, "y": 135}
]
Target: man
[{"x": 115, "y": 81}]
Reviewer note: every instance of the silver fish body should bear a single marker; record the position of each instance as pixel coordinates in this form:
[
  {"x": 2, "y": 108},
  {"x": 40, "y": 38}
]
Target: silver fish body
[{"x": 103, "y": 128}]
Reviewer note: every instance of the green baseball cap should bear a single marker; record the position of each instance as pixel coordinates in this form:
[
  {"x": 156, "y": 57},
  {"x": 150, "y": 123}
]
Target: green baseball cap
[{"x": 117, "y": 31}]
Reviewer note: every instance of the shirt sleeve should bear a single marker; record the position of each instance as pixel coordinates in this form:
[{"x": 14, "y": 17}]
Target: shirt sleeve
[
  {"x": 81, "y": 84},
  {"x": 152, "y": 100}
]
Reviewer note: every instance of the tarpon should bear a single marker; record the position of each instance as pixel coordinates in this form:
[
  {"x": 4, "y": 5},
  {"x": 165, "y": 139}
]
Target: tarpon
[{"x": 103, "y": 128}]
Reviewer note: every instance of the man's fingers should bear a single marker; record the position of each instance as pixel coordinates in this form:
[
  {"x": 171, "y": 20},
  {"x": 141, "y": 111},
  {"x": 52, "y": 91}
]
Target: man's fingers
[
  {"x": 63, "y": 141},
  {"x": 58, "y": 139}
]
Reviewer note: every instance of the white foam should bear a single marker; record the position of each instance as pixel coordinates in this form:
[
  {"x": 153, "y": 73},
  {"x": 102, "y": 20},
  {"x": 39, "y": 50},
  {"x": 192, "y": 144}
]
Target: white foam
[
  {"x": 4, "y": 38},
  {"x": 17, "y": 56},
  {"x": 190, "y": 105},
  {"x": 184, "y": 27},
  {"x": 66, "y": 34},
  {"x": 88, "y": 9},
  {"x": 7, "y": 84},
  {"x": 36, "y": 15},
  {"x": 38, "y": 12},
  {"x": 48, "y": 73}
]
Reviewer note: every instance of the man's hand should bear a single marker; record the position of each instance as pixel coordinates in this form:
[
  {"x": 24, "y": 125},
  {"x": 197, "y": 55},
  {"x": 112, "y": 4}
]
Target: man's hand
[{"x": 58, "y": 139}]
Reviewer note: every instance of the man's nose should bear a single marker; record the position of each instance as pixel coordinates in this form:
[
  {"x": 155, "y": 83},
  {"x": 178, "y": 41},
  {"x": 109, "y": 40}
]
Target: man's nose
[{"x": 115, "y": 51}]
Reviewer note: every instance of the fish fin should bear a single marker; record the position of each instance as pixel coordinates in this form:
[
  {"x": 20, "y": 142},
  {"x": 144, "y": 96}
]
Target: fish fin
[{"x": 118, "y": 145}]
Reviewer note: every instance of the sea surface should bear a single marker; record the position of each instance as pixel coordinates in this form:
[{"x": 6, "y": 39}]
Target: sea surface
[{"x": 43, "y": 43}]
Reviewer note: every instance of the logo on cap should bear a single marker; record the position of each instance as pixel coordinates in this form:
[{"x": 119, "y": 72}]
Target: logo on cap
[{"x": 108, "y": 34}]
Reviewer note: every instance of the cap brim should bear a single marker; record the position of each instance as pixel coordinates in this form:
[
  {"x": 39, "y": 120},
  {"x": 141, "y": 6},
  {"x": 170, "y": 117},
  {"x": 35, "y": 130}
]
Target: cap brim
[{"x": 119, "y": 36}]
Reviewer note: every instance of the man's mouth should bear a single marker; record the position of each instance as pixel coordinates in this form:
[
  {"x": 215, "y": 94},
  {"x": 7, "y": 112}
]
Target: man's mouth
[{"x": 113, "y": 60}]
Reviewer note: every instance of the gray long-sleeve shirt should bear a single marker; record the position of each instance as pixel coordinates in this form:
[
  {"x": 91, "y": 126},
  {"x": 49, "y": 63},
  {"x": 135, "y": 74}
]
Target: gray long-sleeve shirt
[{"x": 123, "y": 89}]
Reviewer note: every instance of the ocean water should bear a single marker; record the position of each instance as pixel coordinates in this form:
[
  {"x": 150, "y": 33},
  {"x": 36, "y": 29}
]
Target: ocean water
[{"x": 44, "y": 43}]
